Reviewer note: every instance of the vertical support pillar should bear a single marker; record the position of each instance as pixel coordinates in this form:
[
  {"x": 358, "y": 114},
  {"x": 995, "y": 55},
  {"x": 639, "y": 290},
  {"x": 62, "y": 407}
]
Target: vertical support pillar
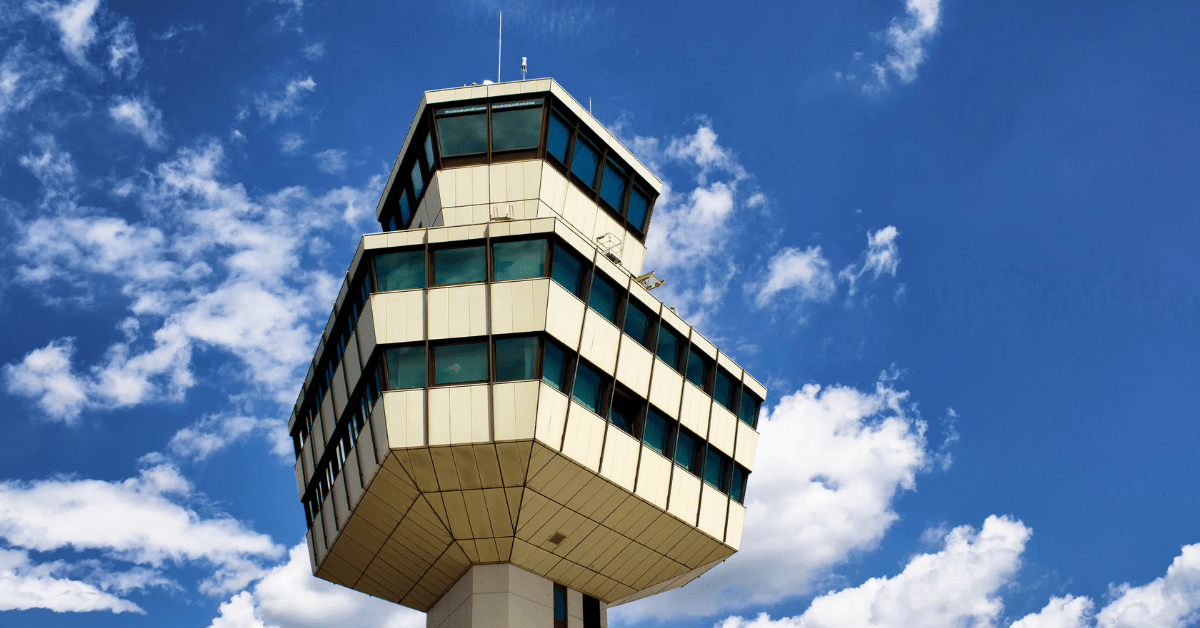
[{"x": 506, "y": 596}]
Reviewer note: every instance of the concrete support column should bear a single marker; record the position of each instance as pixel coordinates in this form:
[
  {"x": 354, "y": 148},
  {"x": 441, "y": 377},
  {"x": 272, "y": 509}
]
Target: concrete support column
[{"x": 505, "y": 596}]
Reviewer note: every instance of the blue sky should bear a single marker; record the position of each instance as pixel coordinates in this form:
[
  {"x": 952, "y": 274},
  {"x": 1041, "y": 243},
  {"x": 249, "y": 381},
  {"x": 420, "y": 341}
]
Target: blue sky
[{"x": 957, "y": 241}]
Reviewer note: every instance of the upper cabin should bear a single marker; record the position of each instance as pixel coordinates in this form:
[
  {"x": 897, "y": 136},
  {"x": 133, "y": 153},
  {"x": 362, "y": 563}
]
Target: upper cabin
[{"x": 519, "y": 150}]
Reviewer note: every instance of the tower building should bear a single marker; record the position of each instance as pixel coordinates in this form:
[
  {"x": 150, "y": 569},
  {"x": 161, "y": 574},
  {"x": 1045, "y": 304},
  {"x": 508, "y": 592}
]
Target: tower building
[{"x": 502, "y": 426}]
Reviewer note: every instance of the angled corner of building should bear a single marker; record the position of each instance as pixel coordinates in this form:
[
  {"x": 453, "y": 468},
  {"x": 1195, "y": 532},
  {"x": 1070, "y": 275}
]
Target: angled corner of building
[{"x": 501, "y": 420}]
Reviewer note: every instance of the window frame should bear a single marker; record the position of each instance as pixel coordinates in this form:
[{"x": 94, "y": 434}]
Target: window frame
[
  {"x": 449, "y": 246},
  {"x": 547, "y": 270},
  {"x": 538, "y": 355},
  {"x": 639, "y": 419},
  {"x": 434, "y": 345},
  {"x": 604, "y": 394}
]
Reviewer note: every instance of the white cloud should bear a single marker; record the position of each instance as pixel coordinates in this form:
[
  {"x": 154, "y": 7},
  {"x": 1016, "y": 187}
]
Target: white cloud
[
  {"x": 23, "y": 78},
  {"x": 25, "y": 585},
  {"x": 74, "y": 20},
  {"x": 286, "y": 104},
  {"x": 291, "y": 143},
  {"x": 140, "y": 117},
  {"x": 54, "y": 168},
  {"x": 45, "y": 375},
  {"x": 1061, "y": 612},
  {"x": 124, "y": 59},
  {"x": 215, "y": 432},
  {"x": 882, "y": 257},
  {"x": 951, "y": 588},
  {"x": 805, "y": 271},
  {"x": 142, "y": 520},
  {"x": 830, "y": 464},
  {"x": 314, "y": 51},
  {"x": 331, "y": 161},
  {"x": 289, "y": 596},
  {"x": 907, "y": 39},
  {"x": 1171, "y": 601}
]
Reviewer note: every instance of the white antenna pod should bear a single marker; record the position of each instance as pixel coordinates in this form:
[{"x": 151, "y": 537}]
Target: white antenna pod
[{"x": 523, "y": 68}]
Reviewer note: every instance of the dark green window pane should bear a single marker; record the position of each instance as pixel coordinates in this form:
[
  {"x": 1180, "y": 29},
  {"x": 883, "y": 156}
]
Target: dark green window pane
[
  {"x": 724, "y": 390},
  {"x": 462, "y": 135},
  {"x": 557, "y": 138},
  {"x": 400, "y": 271},
  {"x": 612, "y": 186},
  {"x": 588, "y": 388},
  {"x": 685, "y": 452},
  {"x": 516, "y": 128},
  {"x": 429, "y": 152},
  {"x": 714, "y": 469},
  {"x": 516, "y": 358},
  {"x": 417, "y": 181},
  {"x": 637, "y": 324},
  {"x": 405, "y": 211},
  {"x": 459, "y": 265},
  {"x": 737, "y": 488},
  {"x": 624, "y": 413},
  {"x": 657, "y": 432},
  {"x": 519, "y": 260},
  {"x": 697, "y": 367},
  {"x": 638, "y": 206},
  {"x": 748, "y": 409},
  {"x": 668, "y": 349},
  {"x": 454, "y": 364},
  {"x": 603, "y": 297},
  {"x": 406, "y": 367},
  {"x": 554, "y": 366},
  {"x": 584, "y": 162},
  {"x": 568, "y": 270}
]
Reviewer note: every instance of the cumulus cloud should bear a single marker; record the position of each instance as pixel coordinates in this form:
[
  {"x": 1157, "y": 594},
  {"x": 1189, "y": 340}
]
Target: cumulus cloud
[
  {"x": 830, "y": 464},
  {"x": 1061, "y": 612},
  {"x": 289, "y": 596},
  {"x": 907, "y": 40},
  {"x": 956, "y": 586},
  {"x": 77, "y": 31},
  {"x": 882, "y": 257},
  {"x": 286, "y": 104},
  {"x": 806, "y": 271},
  {"x": 331, "y": 161},
  {"x": 1171, "y": 601},
  {"x": 216, "y": 432},
  {"x": 25, "y": 585},
  {"x": 143, "y": 520},
  {"x": 140, "y": 117},
  {"x": 210, "y": 266},
  {"x": 291, "y": 143}
]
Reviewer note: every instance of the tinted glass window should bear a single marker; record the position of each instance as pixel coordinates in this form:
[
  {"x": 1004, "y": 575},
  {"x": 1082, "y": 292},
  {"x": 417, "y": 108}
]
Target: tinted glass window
[
  {"x": 454, "y": 364},
  {"x": 625, "y": 411},
  {"x": 588, "y": 388},
  {"x": 405, "y": 210},
  {"x": 555, "y": 366},
  {"x": 612, "y": 186},
  {"x": 724, "y": 390},
  {"x": 429, "y": 151},
  {"x": 685, "y": 452},
  {"x": 748, "y": 409},
  {"x": 519, "y": 260},
  {"x": 637, "y": 323},
  {"x": 658, "y": 431},
  {"x": 560, "y": 604},
  {"x": 400, "y": 271},
  {"x": 417, "y": 181},
  {"x": 465, "y": 134},
  {"x": 697, "y": 367},
  {"x": 569, "y": 270},
  {"x": 516, "y": 358},
  {"x": 406, "y": 367},
  {"x": 737, "y": 487},
  {"x": 459, "y": 265},
  {"x": 557, "y": 138},
  {"x": 714, "y": 469},
  {"x": 639, "y": 205},
  {"x": 669, "y": 346},
  {"x": 604, "y": 298},
  {"x": 515, "y": 128},
  {"x": 584, "y": 162}
]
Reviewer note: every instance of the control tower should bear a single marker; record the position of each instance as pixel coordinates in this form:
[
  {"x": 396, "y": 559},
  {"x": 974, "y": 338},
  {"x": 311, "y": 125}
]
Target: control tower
[{"x": 502, "y": 426}]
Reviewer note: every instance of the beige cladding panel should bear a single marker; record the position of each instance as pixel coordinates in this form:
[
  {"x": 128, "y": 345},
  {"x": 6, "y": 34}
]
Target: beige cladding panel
[
  {"x": 747, "y": 445},
  {"x": 733, "y": 529},
  {"x": 722, "y": 429},
  {"x": 399, "y": 316},
  {"x": 328, "y": 420},
  {"x": 620, "y": 460},
  {"x": 553, "y": 188},
  {"x": 351, "y": 362},
  {"x": 306, "y": 456},
  {"x": 514, "y": 409},
  {"x": 564, "y": 315},
  {"x": 551, "y": 417},
  {"x": 685, "y": 495},
  {"x": 584, "y": 437},
  {"x": 694, "y": 412},
  {"x": 338, "y": 390},
  {"x": 342, "y": 500},
  {"x": 653, "y": 478},
  {"x": 755, "y": 387},
  {"x": 666, "y": 388},
  {"x": 515, "y": 181},
  {"x": 458, "y": 311},
  {"x": 713, "y": 507},
  {"x": 301, "y": 476},
  {"x": 599, "y": 341},
  {"x": 317, "y": 437},
  {"x": 405, "y": 411},
  {"x": 519, "y": 306},
  {"x": 702, "y": 343},
  {"x": 728, "y": 364},
  {"x": 459, "y": 414},
  {"x": 633, "y": 366}
]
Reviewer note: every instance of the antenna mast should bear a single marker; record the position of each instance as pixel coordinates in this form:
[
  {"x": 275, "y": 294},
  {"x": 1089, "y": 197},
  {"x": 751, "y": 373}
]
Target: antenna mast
[{"x": 500, "y": 48}]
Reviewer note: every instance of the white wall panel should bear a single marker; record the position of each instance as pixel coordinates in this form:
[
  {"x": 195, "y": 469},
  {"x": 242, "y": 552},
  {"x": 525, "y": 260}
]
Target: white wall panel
[
  {"x": 564, "y": 315},
  {"x": 405, "y": 410},
  {"x": 747, "y": 445},
  {"x": 666, "y": 388},
  {"x": 620, "y": 461},
  {"x": 458, "y": 311},
  {"x": 514, "y": 409},
  {"x": 693, "y": 413},
  {"x": 654, "y": 477},
  {"x": 722, "y": 428},
  {"x": 584, "y": 437},
  {"x": 551, "y": 417},
  {"x": 713, "y": 506},
  {"x": 633, "y": 366},
  {"x": 599, "y": 341},
  {"x": 685, "y": 495},
  {"x": 733, "y": 529}
]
